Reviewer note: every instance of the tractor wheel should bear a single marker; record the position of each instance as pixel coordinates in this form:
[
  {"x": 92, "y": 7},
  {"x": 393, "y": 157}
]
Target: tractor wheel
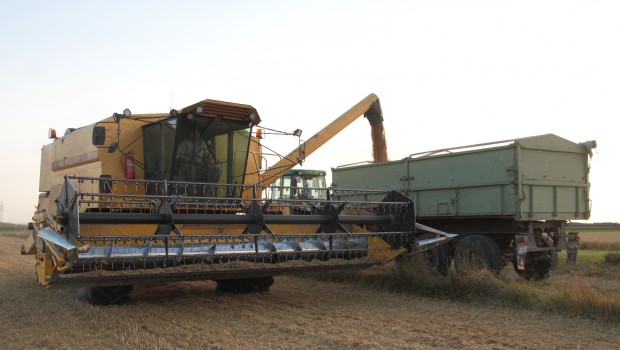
[
  {"x": 477, "y": 252},
  {"x": 245, "y": 285},
  {"x": 109, "y": 295}
]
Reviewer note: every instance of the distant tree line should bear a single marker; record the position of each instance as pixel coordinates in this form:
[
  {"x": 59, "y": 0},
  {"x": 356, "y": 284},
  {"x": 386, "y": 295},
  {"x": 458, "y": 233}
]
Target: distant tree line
[
  {"x": 593, "y": 225},
  {"x": 6, "y": 227}
]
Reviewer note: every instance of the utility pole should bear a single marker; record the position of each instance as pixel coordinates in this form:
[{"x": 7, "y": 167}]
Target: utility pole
[{"x": 1, "y": 211}]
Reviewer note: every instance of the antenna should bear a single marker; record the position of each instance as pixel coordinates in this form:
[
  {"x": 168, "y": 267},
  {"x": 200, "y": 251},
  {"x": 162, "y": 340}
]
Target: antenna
[{"x": 171, "y": 96}]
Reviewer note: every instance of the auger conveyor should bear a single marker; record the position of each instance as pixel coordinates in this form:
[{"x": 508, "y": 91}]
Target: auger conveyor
[{"x": 131, "y": 231}]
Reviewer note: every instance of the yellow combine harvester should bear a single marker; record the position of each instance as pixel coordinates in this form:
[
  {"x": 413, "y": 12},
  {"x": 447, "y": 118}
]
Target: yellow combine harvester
[{"x": 182, "y": 196}]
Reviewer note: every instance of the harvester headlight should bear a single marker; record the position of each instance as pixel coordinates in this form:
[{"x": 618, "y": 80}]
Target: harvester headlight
[
  {"x": 199, "y": 110},
  {"x": 117, "y": 117}
]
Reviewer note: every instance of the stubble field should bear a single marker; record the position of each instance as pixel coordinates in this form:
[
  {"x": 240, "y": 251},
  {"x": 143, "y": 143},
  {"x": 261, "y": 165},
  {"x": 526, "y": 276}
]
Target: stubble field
[
  {"x": 296, "y": 313},
  {"x": 610, "y": 236}
]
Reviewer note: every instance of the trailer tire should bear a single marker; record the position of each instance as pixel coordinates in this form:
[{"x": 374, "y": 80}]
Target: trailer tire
[
  {"x": 538, "y": 265},
  {"x": 554, "y": 260},
  {"x": 244, "y": 285},
  {"x": 108, "y": 295},
  {"x": 477, "y": 252},
  {"x": 554, "y": 254},
  {"x": 436, "y": 259}
]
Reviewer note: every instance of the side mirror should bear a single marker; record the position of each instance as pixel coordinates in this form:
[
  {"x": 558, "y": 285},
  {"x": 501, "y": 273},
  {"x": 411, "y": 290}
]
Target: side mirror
[{"x": 98, "y": 136}]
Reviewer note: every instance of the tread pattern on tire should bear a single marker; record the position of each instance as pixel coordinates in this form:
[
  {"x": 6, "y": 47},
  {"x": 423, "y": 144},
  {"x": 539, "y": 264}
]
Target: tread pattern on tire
[
  {"x": 484, "y": 249},
  {"x": 539, "y": 265},
  {"x": 436, "y": 259},
  {"x": 537, "y": 269}
]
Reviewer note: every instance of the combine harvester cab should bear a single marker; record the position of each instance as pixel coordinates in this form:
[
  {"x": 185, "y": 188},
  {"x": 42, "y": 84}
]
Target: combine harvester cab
[{"x": 181, "y": 196}]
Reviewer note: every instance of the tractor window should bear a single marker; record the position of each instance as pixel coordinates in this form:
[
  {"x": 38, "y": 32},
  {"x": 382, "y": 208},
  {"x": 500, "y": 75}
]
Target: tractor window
[
  {"x": 300, "y": 186},
  {"x": 308, "y": 187},
  {"x": 281, "y": 188}
]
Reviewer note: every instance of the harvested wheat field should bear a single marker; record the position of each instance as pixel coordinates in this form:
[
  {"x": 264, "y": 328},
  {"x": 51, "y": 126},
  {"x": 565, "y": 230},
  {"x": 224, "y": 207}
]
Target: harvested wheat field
[
  {"x": 296, "y": 313},
  {"x": 612, "y": 237}
]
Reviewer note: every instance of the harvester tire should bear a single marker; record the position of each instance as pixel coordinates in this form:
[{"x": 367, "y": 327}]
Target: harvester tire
[
  {"x": 108, "y": 295},
  {"x": 244, "y": 285},
  {"x": 477, "y": 252}
]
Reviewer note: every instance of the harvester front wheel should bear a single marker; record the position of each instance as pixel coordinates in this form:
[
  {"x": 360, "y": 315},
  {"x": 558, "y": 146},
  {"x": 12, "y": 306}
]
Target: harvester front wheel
[
  {"x": 108, "y": 295},
  {"x": 245, "y": 285},
  {"x": 477, "y": 252}
]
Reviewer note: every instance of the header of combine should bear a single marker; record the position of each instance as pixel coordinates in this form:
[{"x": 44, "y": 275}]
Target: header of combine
[{"x": 179, "y": 196}]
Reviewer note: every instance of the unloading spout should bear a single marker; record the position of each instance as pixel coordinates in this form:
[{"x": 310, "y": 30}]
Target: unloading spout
[{"x": 369, "y": 107}]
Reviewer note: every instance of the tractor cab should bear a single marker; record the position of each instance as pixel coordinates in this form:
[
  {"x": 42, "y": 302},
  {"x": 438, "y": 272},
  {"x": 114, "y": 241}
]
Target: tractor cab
[{"x": 300, "y": 184}]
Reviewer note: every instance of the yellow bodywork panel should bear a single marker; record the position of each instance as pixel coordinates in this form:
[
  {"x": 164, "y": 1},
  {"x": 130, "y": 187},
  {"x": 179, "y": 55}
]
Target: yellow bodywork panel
[
  {"x": 386, "y": 254},
  {"x": 28, "y": 246}
]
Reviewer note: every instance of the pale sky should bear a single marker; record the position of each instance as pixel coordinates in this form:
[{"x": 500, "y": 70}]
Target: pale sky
[{"x": 448, "y": 73}]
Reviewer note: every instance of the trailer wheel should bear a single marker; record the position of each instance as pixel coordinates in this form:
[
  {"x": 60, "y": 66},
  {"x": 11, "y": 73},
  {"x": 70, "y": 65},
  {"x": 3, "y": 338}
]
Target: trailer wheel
[
  {"x": 477, "y": 252},
  {"x": 108, "y": 295},
  {"x": 538, "y": 265},
  {"x": 244, "y": 285},
  {"x": 436, "y": 259},
  {"x": 554, "y": 254},
  {"x": 554, "y": 260}
]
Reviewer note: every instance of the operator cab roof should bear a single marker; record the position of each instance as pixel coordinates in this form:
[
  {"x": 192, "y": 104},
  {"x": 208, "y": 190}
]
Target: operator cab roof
[{"x": 227, "y": 110}]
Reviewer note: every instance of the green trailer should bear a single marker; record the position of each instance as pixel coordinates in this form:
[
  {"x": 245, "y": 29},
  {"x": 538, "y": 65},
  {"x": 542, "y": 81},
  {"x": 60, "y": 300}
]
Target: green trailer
[{"x": 509, "y": 201}]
